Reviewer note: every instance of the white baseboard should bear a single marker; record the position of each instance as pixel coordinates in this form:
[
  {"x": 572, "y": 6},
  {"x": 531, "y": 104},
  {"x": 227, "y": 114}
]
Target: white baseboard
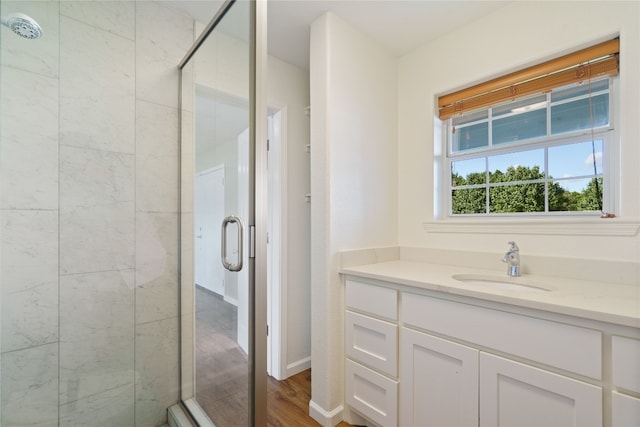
[
  {"x": 298, "y": 366},
  {"x": 243, "y": 338},
  {"x": 325, "y": 418}
]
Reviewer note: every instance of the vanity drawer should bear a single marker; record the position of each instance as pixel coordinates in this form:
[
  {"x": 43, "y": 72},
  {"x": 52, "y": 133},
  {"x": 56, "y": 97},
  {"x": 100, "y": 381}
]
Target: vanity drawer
[
  {"x": 373, "y": 395},
  {"x": 376, "y": 300},
  {"x": 567, "y": 347},
  {"x": 373, "y": 342},
  {"x": 625, "y": 355}
]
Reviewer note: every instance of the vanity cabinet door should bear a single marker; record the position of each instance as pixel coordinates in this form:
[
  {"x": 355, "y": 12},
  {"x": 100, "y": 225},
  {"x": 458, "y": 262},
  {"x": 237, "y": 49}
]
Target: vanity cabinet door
[
  {"x": 625, "y": 410},
  {"x": 515, "y": 394},
  {"x": 625, "y": 363},
  {"x": 626, "y": 379},
  {"x": 438, "y": 382}
]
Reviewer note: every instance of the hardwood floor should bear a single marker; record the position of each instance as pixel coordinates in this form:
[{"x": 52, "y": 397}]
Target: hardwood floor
[
  {"x": 222, "y": 376},
  {"x": 288, "y": 402}
]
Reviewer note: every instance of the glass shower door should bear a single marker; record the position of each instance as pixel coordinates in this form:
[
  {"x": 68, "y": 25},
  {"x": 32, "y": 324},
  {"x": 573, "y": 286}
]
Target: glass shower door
[{"x": 218, "y": 220}]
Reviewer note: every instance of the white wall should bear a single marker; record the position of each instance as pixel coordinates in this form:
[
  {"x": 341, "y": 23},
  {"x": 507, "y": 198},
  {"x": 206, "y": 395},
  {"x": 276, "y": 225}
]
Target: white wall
[
  {"x": 353, "y": 182},
  {"x": 288, "y": 86},
  {"x": 494, "y": 45}
]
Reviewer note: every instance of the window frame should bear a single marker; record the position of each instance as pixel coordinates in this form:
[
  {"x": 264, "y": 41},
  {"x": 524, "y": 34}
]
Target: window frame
[{"x": 610, "y": 161}]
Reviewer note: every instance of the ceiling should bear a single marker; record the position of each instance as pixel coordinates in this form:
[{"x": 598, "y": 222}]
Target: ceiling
[{"x": 400, "y": 25}]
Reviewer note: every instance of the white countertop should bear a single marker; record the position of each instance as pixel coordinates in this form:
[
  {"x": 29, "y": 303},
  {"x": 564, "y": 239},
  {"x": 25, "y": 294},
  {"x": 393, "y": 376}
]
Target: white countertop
[{"x": 613, "y": 303}]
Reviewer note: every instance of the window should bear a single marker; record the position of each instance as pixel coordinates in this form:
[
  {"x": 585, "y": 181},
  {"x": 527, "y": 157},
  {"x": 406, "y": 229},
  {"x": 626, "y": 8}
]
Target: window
[{"x": 546, "y": 152}]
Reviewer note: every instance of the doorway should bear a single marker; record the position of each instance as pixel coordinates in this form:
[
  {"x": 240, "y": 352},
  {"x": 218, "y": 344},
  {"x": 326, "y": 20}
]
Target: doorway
[
  {"x": 222, "y": 312},
  {"x": 209, "y": 213}
]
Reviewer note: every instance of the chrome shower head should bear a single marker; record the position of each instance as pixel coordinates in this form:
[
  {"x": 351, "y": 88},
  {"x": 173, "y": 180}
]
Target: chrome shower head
[{"x": 22, "y": 25}]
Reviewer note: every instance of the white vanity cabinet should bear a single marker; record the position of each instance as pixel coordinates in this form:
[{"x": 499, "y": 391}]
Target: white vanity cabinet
[
  {"x": 371, "y": 347},
  {"x": 427, "y": 358},
  {"x": 439, "y": 381},
  {"x": 456, "y": 376},
  {"x": 448, "y": 384},
  {"x": 625, "y": 356},
  {"x": 516, "y": 394}
]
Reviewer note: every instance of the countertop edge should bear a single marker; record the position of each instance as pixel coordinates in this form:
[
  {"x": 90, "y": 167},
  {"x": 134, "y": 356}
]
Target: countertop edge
[{"x": 525, "y": 301}]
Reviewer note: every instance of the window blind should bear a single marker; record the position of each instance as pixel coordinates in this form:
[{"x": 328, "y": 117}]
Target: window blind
[{"x": 598, "y": 60}]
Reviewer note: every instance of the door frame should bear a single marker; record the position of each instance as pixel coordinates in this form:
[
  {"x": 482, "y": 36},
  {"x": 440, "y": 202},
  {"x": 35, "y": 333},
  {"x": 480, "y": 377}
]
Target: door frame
[
  {"x": 258, "y": 215},
  {"x": 277, "y": 246}
]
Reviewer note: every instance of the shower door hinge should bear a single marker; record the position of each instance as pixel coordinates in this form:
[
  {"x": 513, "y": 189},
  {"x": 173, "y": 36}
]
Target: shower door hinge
[{"x": 252, "y": 241}]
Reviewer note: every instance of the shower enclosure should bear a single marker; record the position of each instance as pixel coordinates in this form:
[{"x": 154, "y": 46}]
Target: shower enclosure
[
  {"x": 90, "y": 214},
  {"x": 224, "y": 366}
]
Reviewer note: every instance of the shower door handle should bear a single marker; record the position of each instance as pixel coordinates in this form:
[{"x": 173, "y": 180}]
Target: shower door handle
[{"x": 223, "y": 253}]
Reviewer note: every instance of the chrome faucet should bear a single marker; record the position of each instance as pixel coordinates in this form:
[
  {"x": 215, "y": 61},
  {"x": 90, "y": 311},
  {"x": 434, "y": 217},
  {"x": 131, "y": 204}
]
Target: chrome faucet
[{"x": 512, "y": 258}]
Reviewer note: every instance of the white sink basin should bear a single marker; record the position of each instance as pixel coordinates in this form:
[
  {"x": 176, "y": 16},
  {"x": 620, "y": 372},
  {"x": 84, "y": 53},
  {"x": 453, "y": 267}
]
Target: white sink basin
[{"x": 517, "y": 284}]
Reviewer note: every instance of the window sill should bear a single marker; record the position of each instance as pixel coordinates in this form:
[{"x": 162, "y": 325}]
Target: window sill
[{"x": 614, "y": 227}]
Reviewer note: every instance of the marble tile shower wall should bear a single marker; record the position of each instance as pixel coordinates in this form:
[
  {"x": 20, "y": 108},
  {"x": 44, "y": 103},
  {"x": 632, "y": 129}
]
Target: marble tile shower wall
[{"x": 89, "y": 214}]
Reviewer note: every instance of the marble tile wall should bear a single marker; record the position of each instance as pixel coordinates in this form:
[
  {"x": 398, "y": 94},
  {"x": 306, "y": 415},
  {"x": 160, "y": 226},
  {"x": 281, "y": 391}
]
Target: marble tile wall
[
  {"x": 162, "y": 39},
  {"x": 29, "y": 132},
  {"x": 89, "y": 214}
]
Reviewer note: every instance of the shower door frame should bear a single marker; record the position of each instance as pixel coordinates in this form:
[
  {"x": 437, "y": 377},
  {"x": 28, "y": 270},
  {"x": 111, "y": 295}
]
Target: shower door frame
[{"x": 256, "y": 220}]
